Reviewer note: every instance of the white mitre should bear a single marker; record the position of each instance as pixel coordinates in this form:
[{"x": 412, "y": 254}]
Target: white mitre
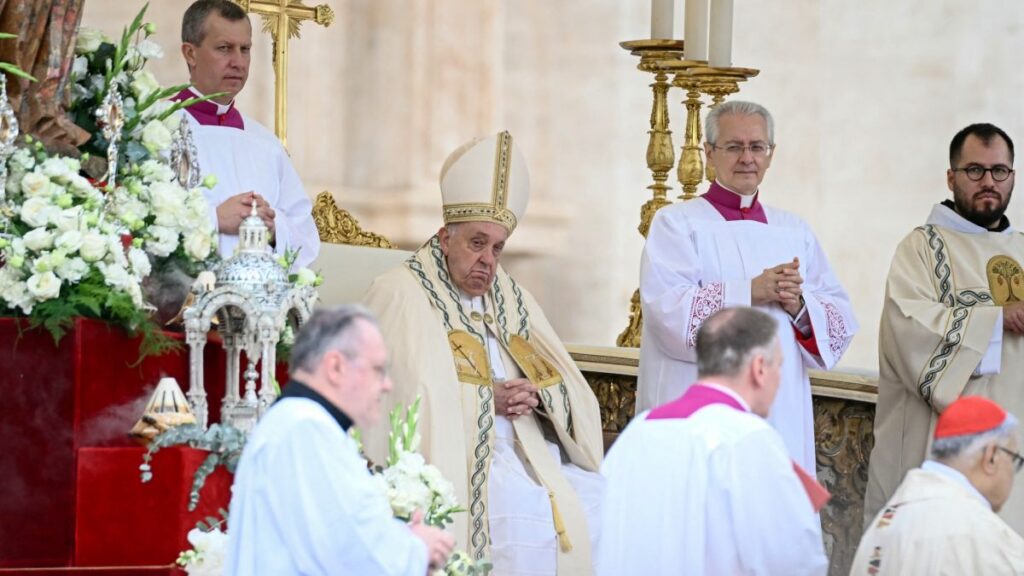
[{"x": 485, "y": 180}]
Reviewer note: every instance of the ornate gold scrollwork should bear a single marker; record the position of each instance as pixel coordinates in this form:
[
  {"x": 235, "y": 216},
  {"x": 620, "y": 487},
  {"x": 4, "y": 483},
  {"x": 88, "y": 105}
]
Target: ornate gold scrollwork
[{"x": 337, "y": 226}]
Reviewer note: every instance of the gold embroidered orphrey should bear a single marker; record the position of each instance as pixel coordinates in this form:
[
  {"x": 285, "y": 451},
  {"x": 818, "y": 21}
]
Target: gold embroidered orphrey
[
  {"x": 497, "y": 210},
  {"x": 538, "y": 370},
  {"x": 1005, "y": 280},
  {"x": 471, "y": 364}
]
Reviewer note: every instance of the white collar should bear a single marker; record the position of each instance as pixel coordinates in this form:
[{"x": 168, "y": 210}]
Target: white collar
[
  {"x": 955, "y": 475},
  {"x": 946, "y": 217},
  {"x": 222, "y": 109},
  {"x": 727, "y": 391},
  {"x": 746, "y": 201}
]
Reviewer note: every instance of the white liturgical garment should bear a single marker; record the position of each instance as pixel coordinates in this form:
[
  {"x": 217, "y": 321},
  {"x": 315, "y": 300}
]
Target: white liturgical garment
[
  {"x": 303, "y": 502},
  {"x": 252, "y": 159},
  {"x": 697, "y": 262},
  {"x": 711, "y": 494}
]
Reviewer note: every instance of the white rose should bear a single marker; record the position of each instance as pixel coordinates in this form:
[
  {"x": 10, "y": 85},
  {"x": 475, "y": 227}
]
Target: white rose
[
  {"x": 68, "y": 219},
  {"x": 37, "y": 212},
  {"x": 57, "y": 169},
  {"x": 140, "y": 262},
  {"x": 22, "y": 159},
  {"x": 38, "y": 239},
  {"x": 169, "y": 203},
  {"x": 305, "y": 277},
  {"x": 198, "y": 245},
  {"x": 115, "y": 276},
  {"x": 94, "y": 247},
  {"x": 69, "y": 241},
  {"x": 116, "y": 252},
  {"x": 17, "y": 296},
  {"x": 135, "y": 291},
  {"x": 131, "y": 209},
  {"x": 173, "y": 122},
  {"x": 73, "y": 270},
  {"x": 89, "y": 40},
  {"x": 162, "y": 241},
  {"x": 80, "y": 186},
  {"x": 44, "y": 286},
  {"x": 156, "y": 137},
  {"x": 35, "y": 185},
  {"x": 156, "y": 171},
  {"x": 144, "y": 84},
  {"x": 150, "y": 50}
]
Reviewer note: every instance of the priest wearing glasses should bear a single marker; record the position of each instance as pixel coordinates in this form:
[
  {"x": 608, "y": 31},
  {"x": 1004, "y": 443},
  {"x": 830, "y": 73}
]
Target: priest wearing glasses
[
  {"x": 953, "y": 317},
  {"x": 726, "y": 248}
]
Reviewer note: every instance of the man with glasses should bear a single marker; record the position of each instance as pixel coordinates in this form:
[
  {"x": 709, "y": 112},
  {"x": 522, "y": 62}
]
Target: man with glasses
[
  {"x": 942, "y": 520},
  {"x": 953, "y": 317},
  {"x": 303, "y": 501},
  {"x": 726, "y": 248}
]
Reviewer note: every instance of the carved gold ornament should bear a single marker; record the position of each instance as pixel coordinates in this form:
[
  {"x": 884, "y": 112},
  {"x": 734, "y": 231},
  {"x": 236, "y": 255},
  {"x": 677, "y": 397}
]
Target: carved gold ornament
[
  {"x": 338, "y": 226},
  {"x": 1005, "y": 280}
]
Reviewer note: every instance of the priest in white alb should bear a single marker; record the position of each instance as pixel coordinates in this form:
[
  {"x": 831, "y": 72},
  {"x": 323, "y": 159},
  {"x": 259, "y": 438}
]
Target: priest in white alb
[
  {"x": 942, "y": 518},
  {"x": 247, "y": 160},
  {"x": 953, "y": 318},
  {"x": 303, "y": 501},
  {"x": 506, "y": 415},
  {"x": 702, "y": 485},
  {"x": 726, "y": 248}
]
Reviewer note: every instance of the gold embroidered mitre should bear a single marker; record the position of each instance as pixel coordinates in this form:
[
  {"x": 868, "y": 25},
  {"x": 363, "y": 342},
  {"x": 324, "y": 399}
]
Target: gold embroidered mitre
[{"x": 485, "y": 180}]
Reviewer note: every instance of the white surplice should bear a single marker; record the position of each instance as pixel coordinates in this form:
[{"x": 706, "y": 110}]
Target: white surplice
[
  {"x": 253, "y": 159},
  {"x": 695, "y": 263},
  {"x": 936, "y": 524},
  {"x": 713, "y": 494},
  {"x": 303, "y": 502}
]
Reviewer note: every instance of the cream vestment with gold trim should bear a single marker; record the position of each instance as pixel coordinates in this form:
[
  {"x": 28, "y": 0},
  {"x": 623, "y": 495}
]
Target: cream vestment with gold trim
[
  {"x": 941, "y": 337},
  {"x": 439, "y": 351}
]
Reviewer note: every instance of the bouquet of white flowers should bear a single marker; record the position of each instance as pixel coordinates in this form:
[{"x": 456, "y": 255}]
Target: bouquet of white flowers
[{"x": 72, "y": 246}]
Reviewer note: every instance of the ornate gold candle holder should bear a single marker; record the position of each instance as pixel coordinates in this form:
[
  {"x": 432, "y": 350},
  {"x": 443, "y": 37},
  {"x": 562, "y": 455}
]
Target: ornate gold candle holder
[{"x": 660, "y": 154}]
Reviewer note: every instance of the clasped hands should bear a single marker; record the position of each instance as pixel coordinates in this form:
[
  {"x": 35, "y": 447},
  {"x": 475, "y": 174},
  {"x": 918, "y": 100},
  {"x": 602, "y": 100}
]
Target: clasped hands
[
  {"x": 439, "y": 543},
  {"x": 779, "y": 285},
  {"x": 513, "y": 398},
  {"x": 232, "y": 211},
  {"x": 1013, "y": 318}
]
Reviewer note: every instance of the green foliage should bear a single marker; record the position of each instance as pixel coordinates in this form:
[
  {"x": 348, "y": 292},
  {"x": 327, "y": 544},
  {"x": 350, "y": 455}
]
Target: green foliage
[
  {"x": 403, "y": 437},
  {"x": 223, "y": 442}
]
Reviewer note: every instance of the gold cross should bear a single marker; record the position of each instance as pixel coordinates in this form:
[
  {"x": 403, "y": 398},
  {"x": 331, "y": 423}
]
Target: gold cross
[{"x": 281, "y": 19}]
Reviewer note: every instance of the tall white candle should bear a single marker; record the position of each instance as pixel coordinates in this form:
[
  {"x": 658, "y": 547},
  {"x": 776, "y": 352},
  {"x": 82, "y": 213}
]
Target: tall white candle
[
  {"x": 695, "y": 37},
  {"x": 662, "y": 17},
  {"x": 721, "y": 34}
]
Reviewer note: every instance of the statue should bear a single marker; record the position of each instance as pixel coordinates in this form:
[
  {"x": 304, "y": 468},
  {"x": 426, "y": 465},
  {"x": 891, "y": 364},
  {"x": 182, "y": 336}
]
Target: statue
[{"x": 45, "y": 48}]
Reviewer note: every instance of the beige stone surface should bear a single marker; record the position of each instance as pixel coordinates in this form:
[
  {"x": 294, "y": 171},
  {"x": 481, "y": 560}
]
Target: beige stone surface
[{"x": 866, "y": 97}]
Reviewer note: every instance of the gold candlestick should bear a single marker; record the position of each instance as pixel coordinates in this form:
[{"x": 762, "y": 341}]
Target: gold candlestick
[{"x": 660, "y": 153}]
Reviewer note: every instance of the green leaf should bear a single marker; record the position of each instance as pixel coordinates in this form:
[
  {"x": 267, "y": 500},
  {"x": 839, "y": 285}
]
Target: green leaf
[{"x": 15, "y": 71}]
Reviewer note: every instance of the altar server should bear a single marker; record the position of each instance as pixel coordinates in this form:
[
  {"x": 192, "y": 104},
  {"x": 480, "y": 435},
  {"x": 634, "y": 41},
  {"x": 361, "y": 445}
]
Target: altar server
[
  {"x": 248, "y": 161},
  {"x": 726, "y": 248}
]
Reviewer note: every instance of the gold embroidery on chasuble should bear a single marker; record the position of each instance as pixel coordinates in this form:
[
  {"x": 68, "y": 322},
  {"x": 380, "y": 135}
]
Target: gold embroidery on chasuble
[
  {"x": 470, "y": 356},
  {"x": 1005, "y": 280},
  {"x": 538, "y": 370}
]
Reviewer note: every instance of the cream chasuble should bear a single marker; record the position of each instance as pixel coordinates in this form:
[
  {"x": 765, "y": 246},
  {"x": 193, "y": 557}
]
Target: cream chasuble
[
  {"x": 936, "y": 525},
  {"x": 942, "y": 337},
  {"x": 439, "y": 348}
]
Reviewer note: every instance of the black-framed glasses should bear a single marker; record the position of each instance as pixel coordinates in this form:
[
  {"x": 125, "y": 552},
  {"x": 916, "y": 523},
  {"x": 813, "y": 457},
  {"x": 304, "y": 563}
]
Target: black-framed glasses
[
  {"x": 757, "y": 149},
  {"x": 975, "y": 172},
  {"x": 1018, "y": 460}
]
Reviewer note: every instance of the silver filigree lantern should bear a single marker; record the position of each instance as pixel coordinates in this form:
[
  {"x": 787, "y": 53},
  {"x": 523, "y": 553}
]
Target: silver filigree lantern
[{"x": 253, "y": 301}]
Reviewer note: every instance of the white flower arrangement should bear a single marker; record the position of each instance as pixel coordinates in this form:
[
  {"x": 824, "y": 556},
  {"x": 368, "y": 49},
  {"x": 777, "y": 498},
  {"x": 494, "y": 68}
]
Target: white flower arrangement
[
  {"x": 209, "y": 548},
  {"x": 72, "y": 246}
]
